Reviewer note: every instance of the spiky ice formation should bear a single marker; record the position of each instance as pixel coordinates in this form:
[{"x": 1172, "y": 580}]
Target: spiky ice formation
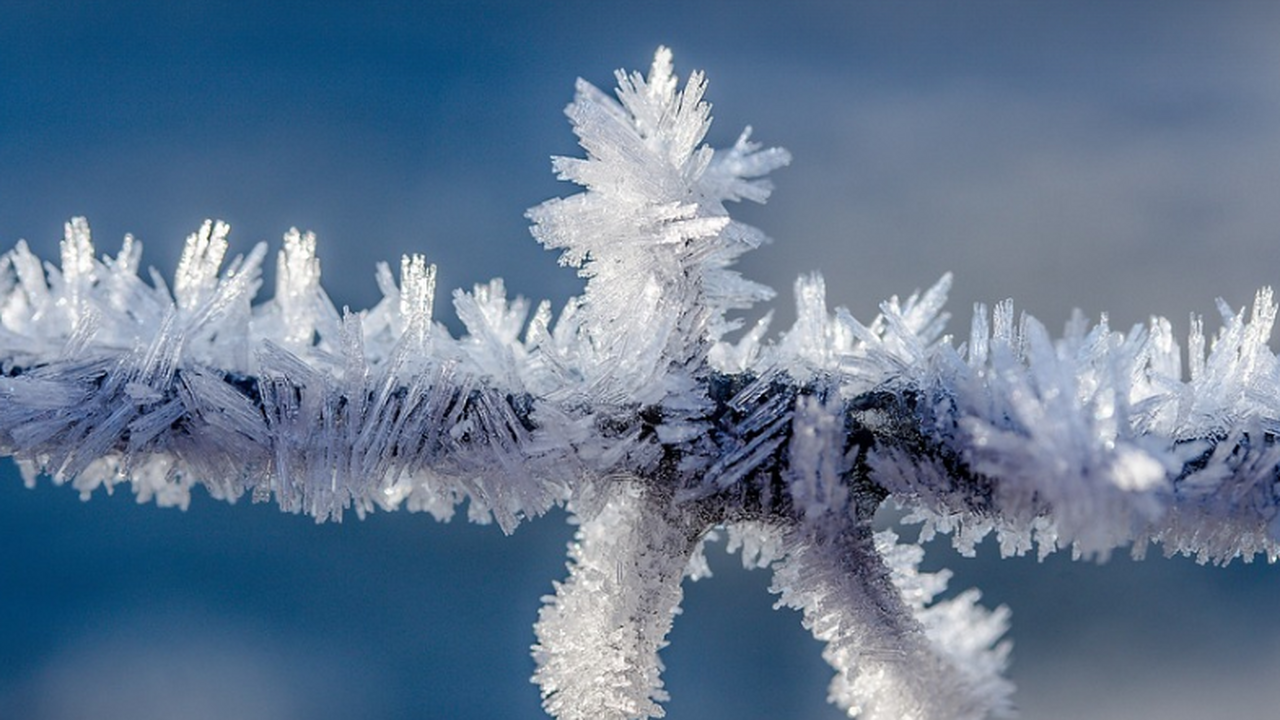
[
  {"x": 1093, "y": 441},
  {"x": 108, "y": 379},
  {"x": 651, "y": 233},
  {"x": 896, "y": 656},
  {"x": 632, "y": 410},
  {"x": 622, "y": 594}
]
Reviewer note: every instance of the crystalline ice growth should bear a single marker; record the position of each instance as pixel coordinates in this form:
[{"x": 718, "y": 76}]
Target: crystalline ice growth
[
  {"x": 1093, "y": 441},
  {"x": 599, "y": 635},
  {"x": 651, "y": 233},
  {"x": 896, "y": 656},
  {"x": 631, "y": 409}
]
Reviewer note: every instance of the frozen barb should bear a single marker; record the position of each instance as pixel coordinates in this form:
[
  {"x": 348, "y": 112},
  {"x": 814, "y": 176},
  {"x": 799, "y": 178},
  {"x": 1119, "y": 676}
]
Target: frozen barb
[{"x": 633, "y": 410}]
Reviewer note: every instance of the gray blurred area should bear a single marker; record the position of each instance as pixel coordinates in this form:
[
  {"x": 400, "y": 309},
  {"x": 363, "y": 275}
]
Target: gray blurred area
[{"x": 1118, "y": 157}]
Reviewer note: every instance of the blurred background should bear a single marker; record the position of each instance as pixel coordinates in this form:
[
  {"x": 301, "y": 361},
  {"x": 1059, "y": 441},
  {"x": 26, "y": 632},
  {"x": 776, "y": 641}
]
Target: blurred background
[{"x": 1119, "y": 157}]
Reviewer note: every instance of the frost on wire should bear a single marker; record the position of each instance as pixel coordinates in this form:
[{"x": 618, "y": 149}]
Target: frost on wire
[{"x": 633, "y": 410}]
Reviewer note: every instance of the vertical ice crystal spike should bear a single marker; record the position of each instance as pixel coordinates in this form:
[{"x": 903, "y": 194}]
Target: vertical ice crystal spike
[
  {"x": 672, "y": 123},
  {"x": 297, "y": 283},
  {"x": 198, "y": 269},
  {"x": 810, "y": 339},
  {"x": 417, "y": 293},
  {"x": 123, "y": 289},
  {"x": 30, "y": 300},
  {"x": 77, "y": 267}
]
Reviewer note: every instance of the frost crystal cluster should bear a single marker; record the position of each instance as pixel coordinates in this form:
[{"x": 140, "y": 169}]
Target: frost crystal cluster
[{"x": 633, "y": 410}]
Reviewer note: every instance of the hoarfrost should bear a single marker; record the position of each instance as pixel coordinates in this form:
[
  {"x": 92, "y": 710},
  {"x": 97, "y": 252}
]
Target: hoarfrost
[{"x": 632, "y": 410}]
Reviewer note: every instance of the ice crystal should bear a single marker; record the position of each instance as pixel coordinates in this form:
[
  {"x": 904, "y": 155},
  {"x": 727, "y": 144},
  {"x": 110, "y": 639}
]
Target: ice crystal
[{"x": 632, "y": 410}]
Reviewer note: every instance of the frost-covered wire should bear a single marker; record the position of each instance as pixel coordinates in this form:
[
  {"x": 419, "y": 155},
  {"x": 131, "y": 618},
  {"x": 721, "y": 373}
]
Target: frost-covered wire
[{"x": 633, "y": 410}]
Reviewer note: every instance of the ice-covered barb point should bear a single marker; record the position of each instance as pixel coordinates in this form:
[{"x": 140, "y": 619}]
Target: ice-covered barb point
[{"x": 632, "y": 410}]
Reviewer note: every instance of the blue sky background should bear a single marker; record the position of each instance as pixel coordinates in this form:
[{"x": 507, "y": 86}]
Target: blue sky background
[{"x": 1120, "y": 157}]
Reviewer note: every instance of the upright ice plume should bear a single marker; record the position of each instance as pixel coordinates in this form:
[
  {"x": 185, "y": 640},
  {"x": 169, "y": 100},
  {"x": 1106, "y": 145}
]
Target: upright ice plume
[
  {"x": 651, "y": 233},
  {"x": 633, "y": 410}
]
